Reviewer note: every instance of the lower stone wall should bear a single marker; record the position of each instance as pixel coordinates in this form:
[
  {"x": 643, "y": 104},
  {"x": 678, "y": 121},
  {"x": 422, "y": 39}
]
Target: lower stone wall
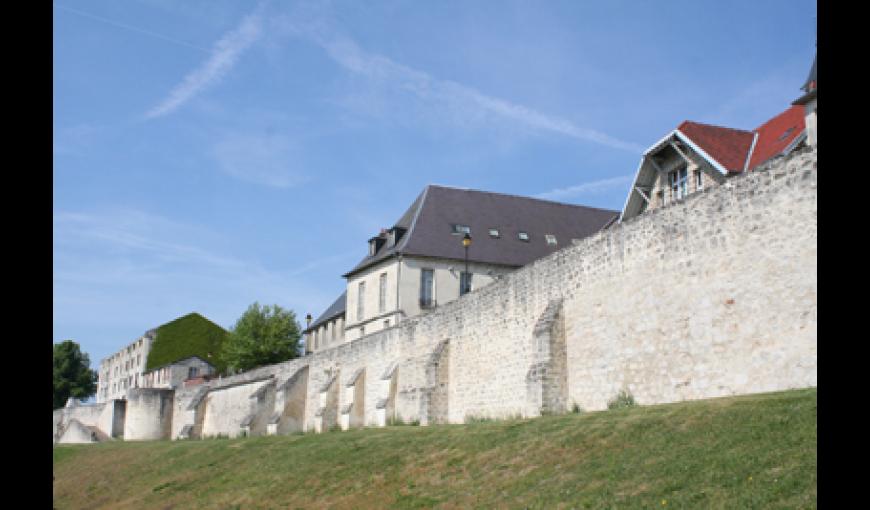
[
  {"x": 711, "y": 296},
  {"x": 148, "y": 414}
]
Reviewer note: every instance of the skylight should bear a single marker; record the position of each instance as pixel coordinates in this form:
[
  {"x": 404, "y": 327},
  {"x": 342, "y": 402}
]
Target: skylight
[
  {"x": 493, "y": 232},
  {"x": 551, "y": 239},
  {"x": 461, "y": 229},
  {"x": 523, "y": 236}
]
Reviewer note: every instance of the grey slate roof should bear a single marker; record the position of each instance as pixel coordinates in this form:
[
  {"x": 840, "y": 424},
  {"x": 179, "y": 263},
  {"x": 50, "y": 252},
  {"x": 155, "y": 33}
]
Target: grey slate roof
[
  {"x": 811, "y": 79},
  {"x": 335, "y": 309},
  {"x": 430, "y": 218}
]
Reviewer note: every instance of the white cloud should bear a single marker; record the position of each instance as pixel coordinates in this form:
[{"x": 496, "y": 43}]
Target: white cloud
[
  {"x": 225, "y": 54},
  {"x": 270, "y": 159},
  {"x": 585, "y": 188},
  {"x": 464, "y": 103}
]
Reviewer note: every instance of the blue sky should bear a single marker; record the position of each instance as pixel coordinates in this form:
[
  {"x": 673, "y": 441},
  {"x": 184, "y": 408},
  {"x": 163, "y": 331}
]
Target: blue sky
[{"x": 209, "y": 153}]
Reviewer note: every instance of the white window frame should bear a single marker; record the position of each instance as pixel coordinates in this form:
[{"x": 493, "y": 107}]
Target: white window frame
[
  {"x": 360, "y": 301},
  {"x": 382, "y": 293},
  {"x": 678, "y": 183}
]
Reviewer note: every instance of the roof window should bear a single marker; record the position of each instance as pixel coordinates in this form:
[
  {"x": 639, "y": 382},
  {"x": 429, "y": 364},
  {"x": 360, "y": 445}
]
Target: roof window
[
  {"x": 493, "y": 232},
  {"x": 784, "y": 135},
  {"x": 523, "y": 236},
  {"x": 461, "y": 229},
  {"x": 551, "y": 239}
]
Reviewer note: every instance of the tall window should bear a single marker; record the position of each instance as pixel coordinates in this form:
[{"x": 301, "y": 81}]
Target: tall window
[
  {"x": 427, "y": 280},
  {"x": 382, "y": 294},
  {"x": 192, "y": 372},
  {"x": 677, "y": 180},
  {"x": 699, "y": 183},
  {"x": 360, "y": 301},
  {"x": 464, "y": 283}
]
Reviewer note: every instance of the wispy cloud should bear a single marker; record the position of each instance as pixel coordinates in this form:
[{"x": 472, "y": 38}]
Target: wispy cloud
[
  {"x": 460, "y": 100},
  {"x": 585, "y": 188},
  {"x": 124, "y": 263},
  {"x": 130, "y": 28},
  {"x": 71, "y": 140},
  {"x": 269, "y": 159},
  {"x": 225, "y": 54}
]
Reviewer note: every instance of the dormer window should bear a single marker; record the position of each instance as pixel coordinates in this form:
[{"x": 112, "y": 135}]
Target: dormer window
[
  {"x": 523, "y": 236},
  {"x": 493, "y": 232},
  {"x": 376, "y": 242},
  {"x": 461, "y": 229},
  {"x": 396, "y": 234}
]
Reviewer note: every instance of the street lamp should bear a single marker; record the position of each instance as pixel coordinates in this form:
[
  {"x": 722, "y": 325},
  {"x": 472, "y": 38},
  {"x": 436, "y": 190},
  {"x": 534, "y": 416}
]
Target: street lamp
[
  {"x": 308, "y": 335},
  {"x": 466, "y": 242}
]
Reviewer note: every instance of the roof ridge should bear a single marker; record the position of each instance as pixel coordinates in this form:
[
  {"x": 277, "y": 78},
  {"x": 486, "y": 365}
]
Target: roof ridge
[
  {"x": 714, "y": 126},
  {"x": 513, "y": 195}
]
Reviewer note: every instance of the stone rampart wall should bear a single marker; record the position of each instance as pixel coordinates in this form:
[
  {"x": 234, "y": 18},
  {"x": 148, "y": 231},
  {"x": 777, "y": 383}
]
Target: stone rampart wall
[{"x": 711, "y": 296}]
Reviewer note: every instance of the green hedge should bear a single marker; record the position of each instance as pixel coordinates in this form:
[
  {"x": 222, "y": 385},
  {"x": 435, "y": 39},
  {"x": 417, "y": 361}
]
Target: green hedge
[{"x": 191, "y": 335}]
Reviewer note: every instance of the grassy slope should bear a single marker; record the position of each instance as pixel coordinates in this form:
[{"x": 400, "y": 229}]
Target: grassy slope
[
  {"x": 740, "y": 452},
  {"x": 191, "y": 335}
]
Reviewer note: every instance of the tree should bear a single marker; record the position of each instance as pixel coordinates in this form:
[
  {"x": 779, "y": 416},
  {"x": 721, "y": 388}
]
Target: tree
[
  {"x": 73, "y": 376},
  {"x": 262, "y": 336}
]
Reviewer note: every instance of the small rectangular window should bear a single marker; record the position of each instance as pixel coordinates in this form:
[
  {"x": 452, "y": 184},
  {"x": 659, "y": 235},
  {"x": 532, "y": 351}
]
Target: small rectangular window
[
  {"x": 461, "y": 229},
  {"x": 427, "y": 281},
  {"x": 551, "y": 239},
  {"x": 360, "y": 307},
  {"x": 192, "y": 372},
  {"x": 382, "y": 294},
  {"x": 699, "y": 183},
  {"x": 493, "y": 232},
  {"x": 523, "y": 236}
]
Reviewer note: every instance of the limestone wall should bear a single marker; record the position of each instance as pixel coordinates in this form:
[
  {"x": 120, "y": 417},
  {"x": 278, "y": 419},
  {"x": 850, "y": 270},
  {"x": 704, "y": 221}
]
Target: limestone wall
[
  {"x": 226, "y": 408},
  {"x": 714, "y": 295},
  {"x": 148, "y": 414}
]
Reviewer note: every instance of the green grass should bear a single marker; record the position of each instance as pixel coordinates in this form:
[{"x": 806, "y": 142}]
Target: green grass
[
  {"x": 191, "y": 335},
  {"x": 755, "y": 451}
]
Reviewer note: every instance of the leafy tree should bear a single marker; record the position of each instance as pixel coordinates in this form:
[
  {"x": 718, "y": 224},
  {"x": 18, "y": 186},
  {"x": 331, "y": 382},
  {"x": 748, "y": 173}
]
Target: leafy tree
[
  {"x": 73, "y": 376},
  {"x": 262, "y": 336}
]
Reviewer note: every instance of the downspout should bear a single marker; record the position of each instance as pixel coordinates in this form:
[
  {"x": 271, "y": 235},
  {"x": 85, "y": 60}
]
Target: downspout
[{"x": 398, "y": 293}]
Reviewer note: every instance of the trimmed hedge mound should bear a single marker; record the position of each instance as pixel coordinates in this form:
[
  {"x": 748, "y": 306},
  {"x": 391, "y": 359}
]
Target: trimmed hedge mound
[{"x": 191, "y": 335}]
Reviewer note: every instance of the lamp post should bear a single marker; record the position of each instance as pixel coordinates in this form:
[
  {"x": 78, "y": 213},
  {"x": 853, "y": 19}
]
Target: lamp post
[{"x": 466, "y": 242}]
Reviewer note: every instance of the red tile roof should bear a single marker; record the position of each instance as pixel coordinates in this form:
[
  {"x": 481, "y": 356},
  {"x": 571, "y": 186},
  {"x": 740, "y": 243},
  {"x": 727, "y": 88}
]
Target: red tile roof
[
  {"x": 730, "y": 147},
  {"x": 776, "y": 134},
  {"x": 727, "y": 146}
]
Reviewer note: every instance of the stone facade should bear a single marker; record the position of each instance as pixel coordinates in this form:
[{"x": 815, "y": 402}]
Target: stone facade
[
  {"x": 711, "y": 296},
  {"x": 124, "y": 369},
  {"x": 173, "y": 375},
  {"x": 402, "y": 292}
]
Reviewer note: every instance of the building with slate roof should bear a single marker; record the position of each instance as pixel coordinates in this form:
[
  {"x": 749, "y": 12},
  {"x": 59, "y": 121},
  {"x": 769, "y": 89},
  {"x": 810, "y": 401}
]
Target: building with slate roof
[{"x": 418, "y": 264}]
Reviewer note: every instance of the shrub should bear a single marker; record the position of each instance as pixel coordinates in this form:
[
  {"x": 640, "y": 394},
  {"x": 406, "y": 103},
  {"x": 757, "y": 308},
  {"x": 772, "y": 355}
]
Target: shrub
[
  {"x": 576, "y": 409},
  {"x": 622, "y": 400}
]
